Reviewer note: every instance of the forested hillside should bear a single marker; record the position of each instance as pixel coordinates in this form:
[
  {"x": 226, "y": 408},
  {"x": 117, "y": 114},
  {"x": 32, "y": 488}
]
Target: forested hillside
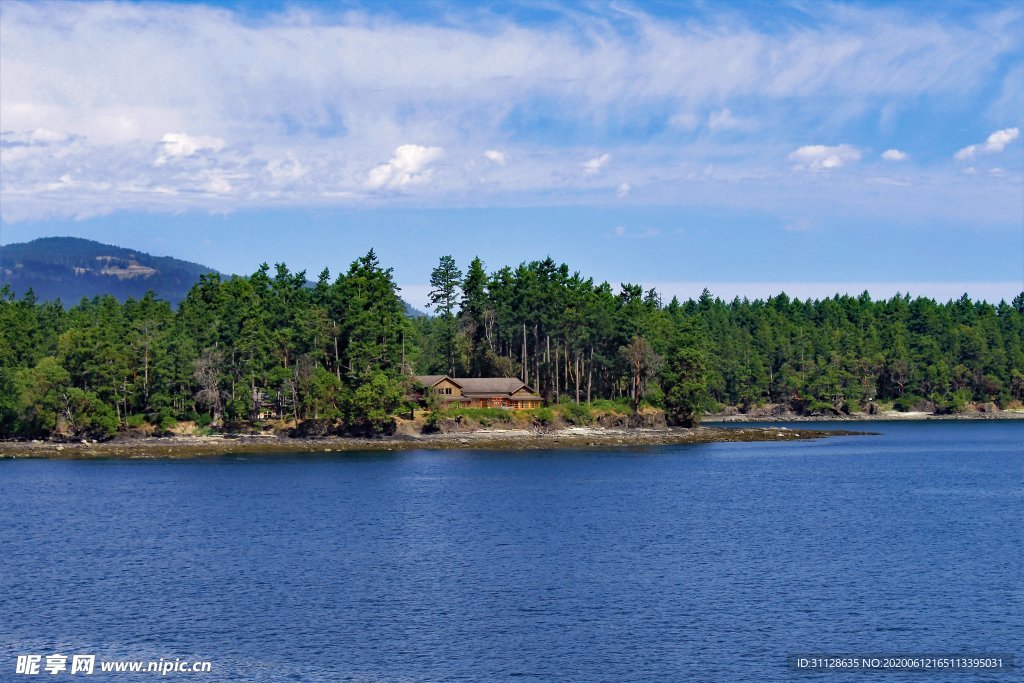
[
  {"x": 70, "y": 268},
  {"x": 269, "y": 346}
]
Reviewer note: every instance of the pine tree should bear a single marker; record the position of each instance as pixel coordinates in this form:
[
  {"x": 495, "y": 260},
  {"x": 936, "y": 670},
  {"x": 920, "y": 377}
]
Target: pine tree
[{"x": 444, "y": 291}]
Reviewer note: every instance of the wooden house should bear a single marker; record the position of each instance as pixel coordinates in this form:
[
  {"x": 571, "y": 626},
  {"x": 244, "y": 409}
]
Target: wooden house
[{"x": 480, "y": 392}]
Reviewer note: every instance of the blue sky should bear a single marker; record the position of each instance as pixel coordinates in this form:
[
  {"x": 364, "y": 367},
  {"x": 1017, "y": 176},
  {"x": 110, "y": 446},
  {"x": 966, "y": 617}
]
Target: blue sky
[{"x": 748, "y": 147}]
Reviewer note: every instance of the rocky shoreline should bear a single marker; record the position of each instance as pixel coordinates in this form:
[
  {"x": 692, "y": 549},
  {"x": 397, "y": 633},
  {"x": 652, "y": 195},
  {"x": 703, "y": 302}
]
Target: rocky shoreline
[
  {"x": 887, "y": 416},
  {"x": 485, "y": 439}
]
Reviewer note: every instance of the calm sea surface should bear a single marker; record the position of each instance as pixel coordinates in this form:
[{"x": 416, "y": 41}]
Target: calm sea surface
[{"x": 710, "y": 562}]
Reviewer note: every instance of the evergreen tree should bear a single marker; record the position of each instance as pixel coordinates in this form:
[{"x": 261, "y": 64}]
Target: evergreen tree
[
  {"x": 477, "y": 319},
  {"x": 444, "y": 290}
]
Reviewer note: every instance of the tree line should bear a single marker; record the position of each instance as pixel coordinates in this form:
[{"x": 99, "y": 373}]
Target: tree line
[
  {"x": 572, "y": 338},
  {"x": 274, "y": 345}
]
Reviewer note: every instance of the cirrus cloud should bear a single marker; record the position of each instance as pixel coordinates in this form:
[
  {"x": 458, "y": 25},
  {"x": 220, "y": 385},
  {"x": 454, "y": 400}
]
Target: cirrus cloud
[
  {"x": 301, "y": 106},
  {"x": 726, "y": 120}
]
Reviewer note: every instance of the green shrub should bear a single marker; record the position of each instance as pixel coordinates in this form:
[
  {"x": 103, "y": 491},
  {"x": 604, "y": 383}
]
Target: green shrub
[
  {"x": 619, "y": 405},
  {"x": 544, "y": 416},
  {"x": 135, "y": 421},
  {"x": 576, "y": 413},
  {"x": 956, "y": 402},
  {"x": 814, "y": 406},
  {"x": 372, "y": 405},
  {"x": 906, "y": 403},
  {"x": 481, "y": 415},
  {"x": 86, "y": 415},
  {"x": 655, "y": 397}
]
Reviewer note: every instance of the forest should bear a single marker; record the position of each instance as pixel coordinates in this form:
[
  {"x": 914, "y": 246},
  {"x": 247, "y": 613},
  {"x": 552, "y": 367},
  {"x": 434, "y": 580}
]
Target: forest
[{"x": 274, "y": 346}]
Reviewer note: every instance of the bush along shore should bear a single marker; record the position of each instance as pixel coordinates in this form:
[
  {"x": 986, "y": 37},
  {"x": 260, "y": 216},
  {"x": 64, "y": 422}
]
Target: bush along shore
[{"x": 566, "y": 425}]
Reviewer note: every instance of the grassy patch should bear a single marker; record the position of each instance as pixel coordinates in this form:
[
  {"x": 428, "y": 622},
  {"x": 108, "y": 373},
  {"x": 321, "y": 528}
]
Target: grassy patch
[
  {"x": 578, "y": 414},
  {"x": 477, "y": 413},
  {"x": 620, "y": 405},
  {"x": 544, "y": 416},
  {"x": 485, "y": 417}
]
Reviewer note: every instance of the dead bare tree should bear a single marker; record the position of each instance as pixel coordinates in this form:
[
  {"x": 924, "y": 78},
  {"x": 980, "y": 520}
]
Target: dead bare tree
[
  {"x": 207, "y": 376},
  {"x": 643, "y": 364}
]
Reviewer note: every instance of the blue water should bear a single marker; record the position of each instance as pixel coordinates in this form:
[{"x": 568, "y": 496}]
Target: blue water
[{"x": 709, "y": 562}]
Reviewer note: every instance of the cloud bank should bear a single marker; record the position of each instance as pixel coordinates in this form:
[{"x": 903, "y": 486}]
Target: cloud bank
[{"x": 167, "y": 107}]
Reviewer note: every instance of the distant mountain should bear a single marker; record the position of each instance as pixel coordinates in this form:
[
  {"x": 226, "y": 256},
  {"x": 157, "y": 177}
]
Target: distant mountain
[{"x": 69, "y": 268}]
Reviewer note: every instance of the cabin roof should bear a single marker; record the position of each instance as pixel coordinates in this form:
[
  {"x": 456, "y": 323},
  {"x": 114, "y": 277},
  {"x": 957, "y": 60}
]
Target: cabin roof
[
  {"x": 490, "y": 385},
  {"x": 480, "y": 387},
  {"x": 432, "y": 380}
]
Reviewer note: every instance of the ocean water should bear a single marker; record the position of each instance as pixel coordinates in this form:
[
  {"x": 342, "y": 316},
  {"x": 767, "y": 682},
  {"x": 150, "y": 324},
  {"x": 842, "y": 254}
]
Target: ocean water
[{"x": 707, "y": 562}]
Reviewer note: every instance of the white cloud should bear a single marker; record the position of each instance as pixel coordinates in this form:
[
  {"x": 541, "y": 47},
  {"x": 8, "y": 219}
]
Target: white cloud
[
  {"x": 894, "y": 155},
  {"x": 726, "y": 120},
  {"x": 594, "y": 166},
  {"x": 218, "y": 184},
  {"x": 496, "y": 156},
  {"x": 408, "y": 166},
  {"x": 286, "y": 170},
  {"x": 177, "y": 145},
  {"x": 685, "y": 120},
  {"x": 998, "y": 141},
  {"x": 823, "y": 157},
  {"x": 623, "y": 232},
  {"x": 995, "y": 143},
  {"x": 966, "y": 153},
  {"x": 623, "y": 190},
  {"x": 43, "y": 135}
]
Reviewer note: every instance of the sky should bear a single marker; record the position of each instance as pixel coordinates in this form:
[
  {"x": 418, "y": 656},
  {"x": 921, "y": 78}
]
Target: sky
[{"x": 746, "y": 147}]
